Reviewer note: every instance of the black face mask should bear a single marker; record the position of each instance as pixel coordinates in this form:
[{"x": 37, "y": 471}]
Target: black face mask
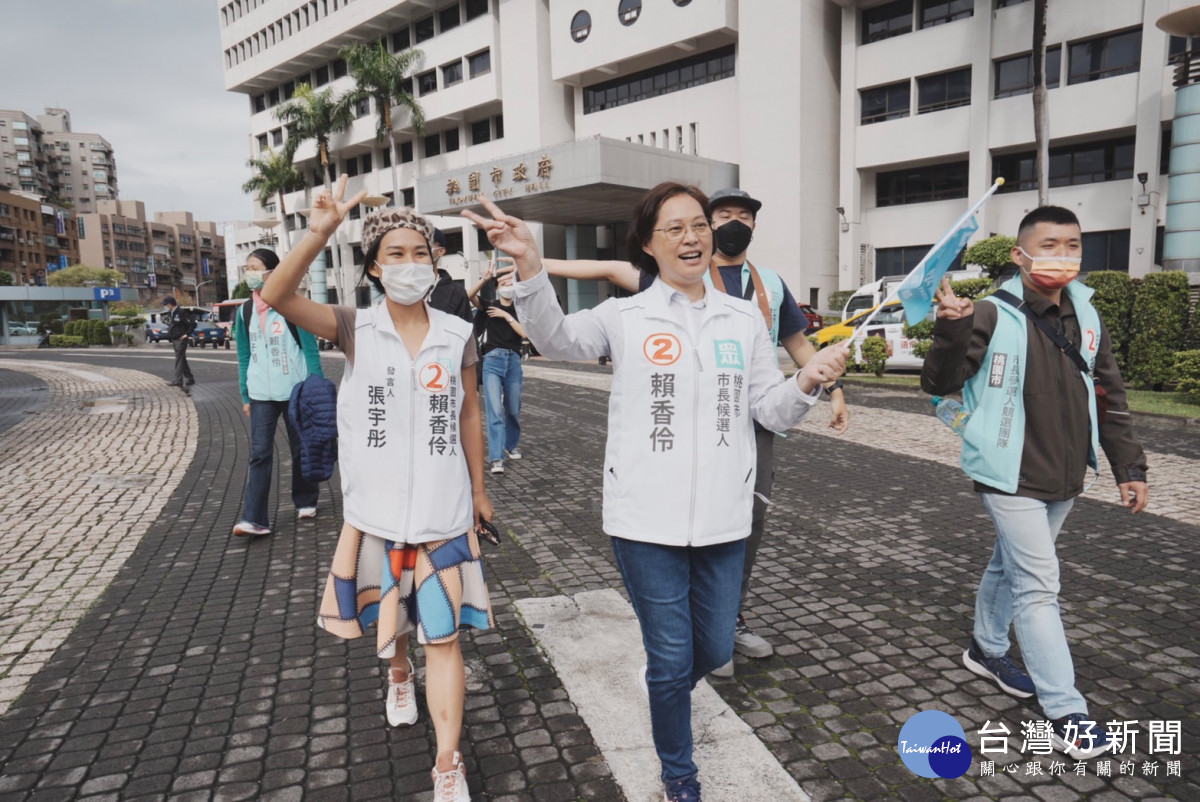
[{"x": 733, "y": 238}]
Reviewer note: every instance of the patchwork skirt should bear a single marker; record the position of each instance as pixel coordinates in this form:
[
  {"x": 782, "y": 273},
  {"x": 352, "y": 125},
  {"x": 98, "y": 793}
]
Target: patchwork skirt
[{"x": 434, "y": 588}]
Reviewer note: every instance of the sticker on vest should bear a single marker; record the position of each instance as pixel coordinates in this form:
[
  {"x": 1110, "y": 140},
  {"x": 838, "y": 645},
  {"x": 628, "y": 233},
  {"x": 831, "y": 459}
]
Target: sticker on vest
[
  {"x": 728, "y": 354},
  {"x": 996, "y": 374},
  {"x": 435, "y": 376},
  {"x": 1091, "y": 342},
  {"x": 662, "y": 349}
]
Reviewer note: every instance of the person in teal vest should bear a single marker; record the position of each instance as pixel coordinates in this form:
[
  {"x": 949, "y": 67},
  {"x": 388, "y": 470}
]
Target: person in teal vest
[
  {"x": 273, "y": 357},
  {"x": 1031, "y": 444},
  {"x": 734, "y": 218}
]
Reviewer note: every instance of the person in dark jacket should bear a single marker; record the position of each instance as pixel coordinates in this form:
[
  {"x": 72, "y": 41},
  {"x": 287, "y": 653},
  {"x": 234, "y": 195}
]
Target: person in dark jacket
[
  {"x": 1034, "y": 432},
  {"x": 448, "y": 295},
  {"x": 273, "y": 357},
  {"x": 179, "y": 326}
]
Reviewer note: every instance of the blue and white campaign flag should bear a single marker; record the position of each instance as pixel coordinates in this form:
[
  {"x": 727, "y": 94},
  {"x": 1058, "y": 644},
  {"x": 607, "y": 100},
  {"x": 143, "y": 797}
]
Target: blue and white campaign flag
[{"x": 917, "y": 289}]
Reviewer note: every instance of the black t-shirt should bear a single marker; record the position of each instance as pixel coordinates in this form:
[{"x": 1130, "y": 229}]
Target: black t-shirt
[
  {"x": 449, "y": 296},
  {"x": 497, "y": 332}
]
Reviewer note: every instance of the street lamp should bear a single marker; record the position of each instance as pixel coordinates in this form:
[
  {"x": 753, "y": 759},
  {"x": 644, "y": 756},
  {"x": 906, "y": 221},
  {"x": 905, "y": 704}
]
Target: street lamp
[{"x": 198, "y": 286}]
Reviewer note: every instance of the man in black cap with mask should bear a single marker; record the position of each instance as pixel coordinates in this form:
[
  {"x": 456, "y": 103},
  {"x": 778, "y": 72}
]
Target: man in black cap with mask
[
  {"x": 734, "y": 216},
  {"x": 179, "y": 325},
  {"x": 448, "y": 295}
]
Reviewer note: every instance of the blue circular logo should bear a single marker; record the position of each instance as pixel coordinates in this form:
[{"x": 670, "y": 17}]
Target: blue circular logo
[{"x": 932, "y": 744}]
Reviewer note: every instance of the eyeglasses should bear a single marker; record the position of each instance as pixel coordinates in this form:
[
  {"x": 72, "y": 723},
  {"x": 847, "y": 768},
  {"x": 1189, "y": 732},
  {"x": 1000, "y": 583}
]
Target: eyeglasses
[{"x": 675, "y": 233}]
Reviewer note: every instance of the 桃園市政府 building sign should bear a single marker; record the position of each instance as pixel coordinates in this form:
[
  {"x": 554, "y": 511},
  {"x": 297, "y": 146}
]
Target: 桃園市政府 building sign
[{"x": 466, "y": 190}]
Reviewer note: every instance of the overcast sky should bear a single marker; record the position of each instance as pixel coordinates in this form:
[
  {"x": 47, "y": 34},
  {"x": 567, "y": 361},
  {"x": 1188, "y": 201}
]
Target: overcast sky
[{"x": 147, "y": 76}]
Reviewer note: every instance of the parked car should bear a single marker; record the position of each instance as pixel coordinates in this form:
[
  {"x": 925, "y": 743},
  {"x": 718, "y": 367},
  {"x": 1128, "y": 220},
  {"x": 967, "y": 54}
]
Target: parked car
[
  {"x": 889, "y": 324},
  {"x": 156, "y": 327},
  {"x": 208, "y": 333},
  {"x": 815, "y": 323}
]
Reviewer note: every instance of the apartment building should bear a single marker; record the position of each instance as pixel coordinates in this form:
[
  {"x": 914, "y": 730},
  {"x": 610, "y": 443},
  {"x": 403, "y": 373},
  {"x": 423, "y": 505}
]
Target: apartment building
[
  {"x": 567, "y": 112},
  {"x": 45, "y": 156},
  {"x": 936, "y": 103},
  {"x": 171, "y": 254},
  {"x": 36, "y": 238},
  {"x": 22, "y": 154}
]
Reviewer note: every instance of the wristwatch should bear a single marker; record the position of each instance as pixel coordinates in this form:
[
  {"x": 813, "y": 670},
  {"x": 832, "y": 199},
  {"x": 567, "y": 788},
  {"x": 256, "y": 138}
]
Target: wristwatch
[{"x": 837, "y": 385}]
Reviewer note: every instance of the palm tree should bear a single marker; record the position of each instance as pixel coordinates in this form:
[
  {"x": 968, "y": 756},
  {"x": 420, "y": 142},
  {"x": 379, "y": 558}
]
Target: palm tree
[
  {"x": 381, "y": 76},
  {"x": 309, "y": 114},
  {"x": 317, "y": 116},
  {"x": 1041, "y": 109},
  {"x": 274, "y": 174}
]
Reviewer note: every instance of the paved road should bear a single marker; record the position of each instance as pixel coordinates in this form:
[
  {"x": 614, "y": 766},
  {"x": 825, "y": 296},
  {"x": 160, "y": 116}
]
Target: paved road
[{"x": 198, "y": 672}]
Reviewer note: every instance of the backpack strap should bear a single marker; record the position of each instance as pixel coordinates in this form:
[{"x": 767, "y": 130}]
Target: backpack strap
[
  {"x": 247, "y": 307},
  {"x": 1057, "y": 337}
]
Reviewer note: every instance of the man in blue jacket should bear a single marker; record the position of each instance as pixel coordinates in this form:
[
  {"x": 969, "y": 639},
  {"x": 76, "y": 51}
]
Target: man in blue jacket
[{"x": 1032, "y": 362}]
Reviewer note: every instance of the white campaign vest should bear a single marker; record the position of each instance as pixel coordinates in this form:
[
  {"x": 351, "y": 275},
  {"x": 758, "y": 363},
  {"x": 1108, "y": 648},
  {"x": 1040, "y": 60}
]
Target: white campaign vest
[
  {"x": 680, "y": 459},
  {"x": 404, "y": 473}
]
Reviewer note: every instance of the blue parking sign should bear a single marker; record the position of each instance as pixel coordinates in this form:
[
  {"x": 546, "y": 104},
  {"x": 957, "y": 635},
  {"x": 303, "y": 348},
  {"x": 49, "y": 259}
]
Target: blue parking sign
[{"x": 107, "y": 293}]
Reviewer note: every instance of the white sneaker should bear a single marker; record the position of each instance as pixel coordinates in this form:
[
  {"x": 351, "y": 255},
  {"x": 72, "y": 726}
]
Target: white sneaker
[
  {"x": 402, "y": 699},
  {"x": 451, "y": 786},
  {"x": 722, "y": 672},
  {"x": 306, "y": 512},
  {"x": 498, "y": 466},
  {"x": 642, "y": 681},
  {"x": 746, "y": 642},
  {"x": 245, "y": 528},
  {"x": 514, "y": 454}
]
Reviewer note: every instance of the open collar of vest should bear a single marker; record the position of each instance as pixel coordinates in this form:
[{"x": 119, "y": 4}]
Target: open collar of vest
[
  {"x": 381, "y": 322},
  {"x": 656, "y": 301}
]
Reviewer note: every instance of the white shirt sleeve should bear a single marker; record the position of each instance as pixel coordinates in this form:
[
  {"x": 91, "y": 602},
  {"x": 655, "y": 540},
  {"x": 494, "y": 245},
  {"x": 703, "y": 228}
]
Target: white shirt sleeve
[
  {"x": 776, "y": 401},
  {"x": 583, "y": 335}
]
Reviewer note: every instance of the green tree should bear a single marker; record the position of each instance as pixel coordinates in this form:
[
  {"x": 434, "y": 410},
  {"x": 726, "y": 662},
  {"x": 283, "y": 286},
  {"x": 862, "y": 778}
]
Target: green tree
[
  {"x": 1159, "y": 322},
  {"x": 242, "y": 290},
  {"x": 874, "y": 353},
  {"x": 84, "y": 276},
  {"x": 274, "y": 174},
  {"x": 1113, "y": 300},
  {"x": 317, "y": 116},
  {"x": 992, "y": 254},
  {"x": 6, "y": 279},
  {"x": 381, "y": 76}
]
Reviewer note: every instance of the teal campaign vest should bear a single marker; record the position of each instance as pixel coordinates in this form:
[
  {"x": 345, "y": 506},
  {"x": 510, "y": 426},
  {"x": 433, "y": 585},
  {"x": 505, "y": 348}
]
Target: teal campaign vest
[
  {"x": 277, "y": 363},
  {"x": 772, "y": 285},
  {"x": 994, "y": 437}
]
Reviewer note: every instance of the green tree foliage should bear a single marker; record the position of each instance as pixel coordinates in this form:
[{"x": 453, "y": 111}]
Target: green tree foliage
[
  {"x": 126, "y": 309},
  {"x": 317, "y": 116},
  {"x": 837, "y": 300},
  {"x": 973, "y": 288},
  {"x": 84, "y": 276},
  {"x": 852, "y": 364},
  {"x": 274, "y": 174},
  {"x": 1113, "y": 299},
  {"x": 874, "y": 354},
  {"x": 242, "y": 290},
  {"x": 6, "y": 279},
  {"x": 1187, "y": 373},
  {"x": 992, "y": 254},
  {"x": 1159, "y": 321}
]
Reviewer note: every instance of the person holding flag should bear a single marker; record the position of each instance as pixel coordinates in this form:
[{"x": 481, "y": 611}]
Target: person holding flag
[{"x": 1035, "y": 365}]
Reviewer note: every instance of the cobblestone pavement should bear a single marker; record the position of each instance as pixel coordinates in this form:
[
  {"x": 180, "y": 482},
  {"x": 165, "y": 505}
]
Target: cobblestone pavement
[{"x": 199, "y": 674}]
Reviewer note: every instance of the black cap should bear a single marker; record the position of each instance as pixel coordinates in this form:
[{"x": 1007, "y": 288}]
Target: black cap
[
  {"x": 439, "y": 238},
  {"x": 169, "y": 301},
  {"x": 733, "y": 195}
]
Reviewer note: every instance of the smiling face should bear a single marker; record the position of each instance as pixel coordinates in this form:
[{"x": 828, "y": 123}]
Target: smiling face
[
  {"x": 401, "y": 246},
  {"x": 682, "y": 263}
]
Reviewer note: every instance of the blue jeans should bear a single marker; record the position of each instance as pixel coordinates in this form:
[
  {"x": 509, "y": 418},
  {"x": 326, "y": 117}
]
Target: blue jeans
[
  {"x": 264, "y": 415},
  {"x": 1020, "y": 586},
  {"x": 686, "y": 600},
  {"x": 502, "y": 380}
]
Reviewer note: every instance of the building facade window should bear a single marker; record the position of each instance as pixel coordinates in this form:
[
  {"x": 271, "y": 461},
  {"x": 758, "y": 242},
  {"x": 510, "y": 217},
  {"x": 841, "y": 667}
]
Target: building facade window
[
  {"x": 885, "y": 102},
  {"x": 452, "y": 73},
  {"x": 452, "y": 140},
  {"x": 427, "y": 82},
  {"x": 1007, "y": 3},
  {"x": 581, "y": 26},
  {"x": 448, "y": 18},
  {"x": 339, "y": 67},
  {"x": 476, "y": 8},
  {"x": 1177, "y": 46},
  {"x": 480, "y": 63},
  {"x": 433, "y": 145},
  {"x": 423, "y": 29},
  {"x": 321, "y": 75},
  {"x": 628, "y": 11},
  {"x": 947, "y": 90},
  {"x": 410, "y": 196},
  {"x": 939, "y": 12},
  {"x": 406, "y": 152},
  {"x": 1014, "y": 76},
  {"x": 886, "y": 21},
  {"x": 481, "y": 131},
  {"x": 401, "y": 40},
  {"x": 1105, "y": 250},
  {"x": 714, "y": 65},
  {"x": 900, "y": 261},
  {"x": 1104, "y": 56},
  {"x": 921, "y": 184},
  {"x": 1070, "y": 165}
]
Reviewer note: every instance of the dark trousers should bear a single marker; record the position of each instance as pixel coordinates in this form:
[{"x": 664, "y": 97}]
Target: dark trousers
[
  {"x": 264, "y": 418},
  {"x": 182, "y": 371},
  {"x": 764, "y": 478}
]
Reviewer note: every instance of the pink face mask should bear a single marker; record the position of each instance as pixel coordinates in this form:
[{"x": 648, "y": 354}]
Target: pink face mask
[{"x": 1053, "y": 272}]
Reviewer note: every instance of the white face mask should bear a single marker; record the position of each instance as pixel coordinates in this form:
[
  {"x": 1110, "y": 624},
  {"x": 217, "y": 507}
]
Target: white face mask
[
  {"x": 407, "y": 284},
  {"x": 506, "y": 292},
  {"x": 255, "y": 279}
]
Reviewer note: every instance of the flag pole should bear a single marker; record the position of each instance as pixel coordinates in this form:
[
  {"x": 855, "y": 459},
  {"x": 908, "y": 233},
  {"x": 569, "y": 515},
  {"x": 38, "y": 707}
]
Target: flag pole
[{"x": 891, "y": 296}]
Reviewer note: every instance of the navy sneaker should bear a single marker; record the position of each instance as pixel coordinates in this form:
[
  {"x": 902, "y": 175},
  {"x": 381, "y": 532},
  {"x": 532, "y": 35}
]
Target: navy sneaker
[
  {"x": 1078, "y": 737},
  {"x": 686, "y": 789},
  {"x": 1011, "y": 678}
]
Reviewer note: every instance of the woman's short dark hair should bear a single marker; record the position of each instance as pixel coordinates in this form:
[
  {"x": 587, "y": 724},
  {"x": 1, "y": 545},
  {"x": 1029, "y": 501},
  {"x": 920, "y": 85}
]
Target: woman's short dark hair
[
  {"x": 645, "y": 216},
  {"x": 268, "y": 257}
]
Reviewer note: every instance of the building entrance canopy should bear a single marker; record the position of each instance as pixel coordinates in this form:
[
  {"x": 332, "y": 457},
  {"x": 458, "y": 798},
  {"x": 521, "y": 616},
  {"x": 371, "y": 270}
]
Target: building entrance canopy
[{"x": 593, "y": 181}]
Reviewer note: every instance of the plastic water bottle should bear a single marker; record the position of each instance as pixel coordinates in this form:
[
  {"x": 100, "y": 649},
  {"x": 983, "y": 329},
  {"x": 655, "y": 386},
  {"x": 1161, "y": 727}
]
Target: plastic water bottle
[{"x": 952, "y": 413}]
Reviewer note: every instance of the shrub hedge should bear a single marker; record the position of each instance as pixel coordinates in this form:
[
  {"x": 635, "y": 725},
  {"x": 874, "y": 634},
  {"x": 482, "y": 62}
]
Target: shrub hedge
[
  {"x": 1159, "y": 321},
  {"x": 1113, "y": 300}
]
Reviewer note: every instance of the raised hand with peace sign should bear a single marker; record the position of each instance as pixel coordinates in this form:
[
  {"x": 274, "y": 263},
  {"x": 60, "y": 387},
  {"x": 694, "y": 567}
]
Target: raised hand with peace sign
[
  {"x": 950, "y": 306},
  {"x": 511, "y": 235}
]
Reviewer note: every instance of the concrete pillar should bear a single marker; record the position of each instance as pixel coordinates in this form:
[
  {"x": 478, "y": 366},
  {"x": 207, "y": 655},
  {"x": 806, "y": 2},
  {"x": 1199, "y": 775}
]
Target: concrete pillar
[
  {"x": 581, "y": 244},
  {"x": 1181, "y": 247}
]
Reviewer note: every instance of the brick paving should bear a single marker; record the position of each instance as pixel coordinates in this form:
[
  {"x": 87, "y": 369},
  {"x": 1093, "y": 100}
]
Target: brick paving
[{"x": 199, "y": 674}]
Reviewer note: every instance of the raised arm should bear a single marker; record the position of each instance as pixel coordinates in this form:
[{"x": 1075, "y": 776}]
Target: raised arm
[
  {"x": 623, "y": 274},
  {"x": 280, "y": 290},
  {"x": 473, "y": 295}
]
